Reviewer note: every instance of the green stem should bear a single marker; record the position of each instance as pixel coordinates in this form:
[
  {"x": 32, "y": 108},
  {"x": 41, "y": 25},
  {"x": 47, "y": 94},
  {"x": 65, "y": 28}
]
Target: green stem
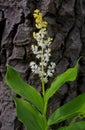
[
  {"x": 43, "y": 84},
  {"x": 47, "y": 128},
  {"x": 45, "y": 107}
]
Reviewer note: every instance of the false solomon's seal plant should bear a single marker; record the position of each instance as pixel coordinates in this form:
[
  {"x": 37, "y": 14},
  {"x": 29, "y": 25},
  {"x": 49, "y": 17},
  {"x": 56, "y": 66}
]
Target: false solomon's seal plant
[{"x": 32, "y": 107}]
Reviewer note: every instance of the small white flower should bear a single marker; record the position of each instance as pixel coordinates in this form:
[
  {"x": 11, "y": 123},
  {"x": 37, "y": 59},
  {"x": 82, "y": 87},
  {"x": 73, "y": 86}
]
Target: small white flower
[
  {"x": 44, "y": 74},
  {"x": 40, "y": 43},
  {"x": 49, "y": 73},
  {"x": 45, "y": 79},
  {"x": 53, "y": 65},
  {"x": 33, "y": 66},
  {"x": 38, "y": 56},
  {"x": 48, "y": 50},
  {"x": 46, "y": 57},
  {"x": 52, "y": 70},
  {"x": 34, "y": 49},
  {"x": 45, "y": 63},
  {"x": 38, "y": 70},
  {"x": 32, "y": 63}
]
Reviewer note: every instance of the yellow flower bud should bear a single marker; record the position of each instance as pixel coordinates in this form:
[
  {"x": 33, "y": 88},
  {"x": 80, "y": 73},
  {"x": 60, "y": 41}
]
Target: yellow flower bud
[
  {"x": 34, "y": 34},
  {"x": 36, "y": 11},
  {"x": 35, "y": 15},
  {"x": 38, "y": 19}
]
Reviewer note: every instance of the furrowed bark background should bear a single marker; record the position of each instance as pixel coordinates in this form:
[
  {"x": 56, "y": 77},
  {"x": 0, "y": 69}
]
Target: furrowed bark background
[{"x": 66, "y": 24}]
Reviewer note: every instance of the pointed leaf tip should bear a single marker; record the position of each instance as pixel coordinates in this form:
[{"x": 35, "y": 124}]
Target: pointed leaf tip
[
  {"x": 25, "y": 90},
  {"x": 69, "y": 75}
]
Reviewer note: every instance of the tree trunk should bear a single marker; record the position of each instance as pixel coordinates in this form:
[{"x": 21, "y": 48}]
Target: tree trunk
[{"x": 66, "y": 24}]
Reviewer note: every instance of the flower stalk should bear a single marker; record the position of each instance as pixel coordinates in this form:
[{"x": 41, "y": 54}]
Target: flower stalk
[
  {"x": 43, "y": 84},
  {"x": 42, "y": 51}
]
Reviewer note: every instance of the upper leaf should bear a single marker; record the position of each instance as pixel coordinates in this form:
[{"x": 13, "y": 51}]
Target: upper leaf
[
  {"x": 69, "y": 75},
  {"x": 72, "y": 108},
  {"x": 29, "y": 116},
  {"x": 20, "y": 87},
  {"x": 75, "y": 126}
]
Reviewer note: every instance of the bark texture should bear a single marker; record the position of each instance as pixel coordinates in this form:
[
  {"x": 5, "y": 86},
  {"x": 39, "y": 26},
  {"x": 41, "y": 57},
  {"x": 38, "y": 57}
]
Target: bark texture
[{"x": 66, "y": 19}]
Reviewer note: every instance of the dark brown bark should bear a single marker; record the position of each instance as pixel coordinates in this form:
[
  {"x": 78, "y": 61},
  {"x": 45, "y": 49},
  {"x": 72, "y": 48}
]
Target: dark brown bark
[{"x": 66, "y": 24}]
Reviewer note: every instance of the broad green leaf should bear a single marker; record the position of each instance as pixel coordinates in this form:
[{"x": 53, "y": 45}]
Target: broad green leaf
[
  {"x": 69, "y": 75},
  {"x": 75, "y": 126},
  {"x": 29, "y": 116},
  {"x": 72, "y": 108},
  {"x": 25, "y": 90}
]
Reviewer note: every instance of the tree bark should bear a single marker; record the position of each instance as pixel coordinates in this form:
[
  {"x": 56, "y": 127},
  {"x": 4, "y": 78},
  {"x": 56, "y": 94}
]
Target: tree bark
[{"x": 66, "y": 24}]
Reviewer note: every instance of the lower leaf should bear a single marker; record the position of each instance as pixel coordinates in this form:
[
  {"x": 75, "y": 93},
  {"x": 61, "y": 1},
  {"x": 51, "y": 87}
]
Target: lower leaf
[
  {"x": 76, "y": 126},
  {"x": 29, "y": 116},
  {"x": 72, "y": 108}
]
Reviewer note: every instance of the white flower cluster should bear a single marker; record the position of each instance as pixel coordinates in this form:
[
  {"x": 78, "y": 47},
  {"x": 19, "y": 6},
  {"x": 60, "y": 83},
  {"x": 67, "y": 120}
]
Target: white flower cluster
[{"x": 42, "y": 52}]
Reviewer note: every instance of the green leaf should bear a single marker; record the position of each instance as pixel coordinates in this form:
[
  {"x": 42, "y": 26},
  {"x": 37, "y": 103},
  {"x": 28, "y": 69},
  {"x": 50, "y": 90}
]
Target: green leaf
[
  {"x": 69, "y": 75},
  {"x": 20, "y": 87},
  {"x": 29, "y": 116},
  {"x": 72, "y": 108},
  {"x": 75, "y": 126}
]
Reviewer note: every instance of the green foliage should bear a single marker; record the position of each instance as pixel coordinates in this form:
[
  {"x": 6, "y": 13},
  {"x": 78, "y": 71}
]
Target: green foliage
[
  {"x": 27, "y": 114},
  {"x": 75, "y": 126},
  {"x": 72, "y": 108},
  {"x": 69, "y": 75},
  {"x": 31, "y": 108},
  {"x": 25, "y": 90}
]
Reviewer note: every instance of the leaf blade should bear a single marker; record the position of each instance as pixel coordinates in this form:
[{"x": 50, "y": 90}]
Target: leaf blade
[
  {"x": 72, "y": 108},
  {"x": 69, "y": 75},
  {"x": 25, "y": 90},
  {"x": 75, "y": 126},
  {"x": 28, "y": 115}
]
